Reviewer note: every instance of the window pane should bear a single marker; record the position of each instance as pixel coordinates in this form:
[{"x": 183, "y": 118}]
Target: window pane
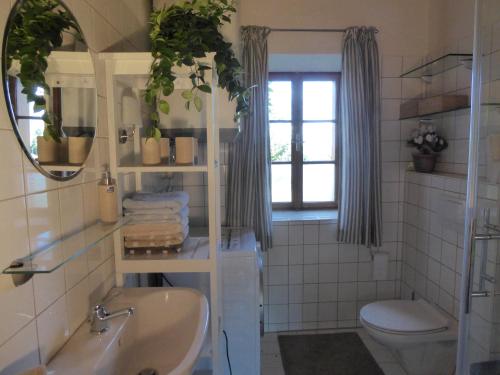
[
  {"x": 282, "y": 182},
  {"x": 319, "y": 99},
  {"x": 319, "y": 141},
  {"x": 29, "y": 130},
  {"x": 25, "y": 108},
  {"x": 280, "y": 100},
  {"x": 281, "y": 137},
  {"x": 319, "y": 183}
]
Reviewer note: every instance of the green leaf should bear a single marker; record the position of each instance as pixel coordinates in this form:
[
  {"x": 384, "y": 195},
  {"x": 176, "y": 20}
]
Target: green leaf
[
  {"x": 198, "y": 103},
  {"x": 157, "y": 134},
  {"x": 38, "y": 107},
  {"x": 205, "y": 88},
  {"x": 187, "y": 94},
  {"x": 154, "y": 116},
  {"x": 164, "y": 106},
  {"x": 168, "y": 88}
]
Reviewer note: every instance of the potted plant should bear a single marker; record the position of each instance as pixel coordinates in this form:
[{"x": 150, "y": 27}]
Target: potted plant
[
  {"x": 180, "y": 35},
  {"x": 428, "y": 144},
  {"x": 37, "y": 29}
]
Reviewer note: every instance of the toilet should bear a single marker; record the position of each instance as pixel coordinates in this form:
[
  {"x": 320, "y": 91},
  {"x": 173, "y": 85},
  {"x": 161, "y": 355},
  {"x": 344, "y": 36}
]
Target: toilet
[{"x": 422, "y": 337}]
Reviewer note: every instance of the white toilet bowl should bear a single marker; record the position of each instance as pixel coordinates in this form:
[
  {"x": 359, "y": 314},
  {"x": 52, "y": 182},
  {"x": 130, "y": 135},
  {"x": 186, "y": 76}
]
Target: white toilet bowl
[{"x": 422, "y": 337}]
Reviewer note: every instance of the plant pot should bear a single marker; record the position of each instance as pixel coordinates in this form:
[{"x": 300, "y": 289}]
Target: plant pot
[
  {"x": 47, "y": 149},
  {"x": 78, "y": 149},
  {"x": 150, "y": 151},
  {"x": 424, "y": 163},
  {"x": 186, "y": 150}
]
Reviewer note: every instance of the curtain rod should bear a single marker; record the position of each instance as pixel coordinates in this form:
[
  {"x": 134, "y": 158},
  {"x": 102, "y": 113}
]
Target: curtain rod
[{"x": 314, "y": 30}]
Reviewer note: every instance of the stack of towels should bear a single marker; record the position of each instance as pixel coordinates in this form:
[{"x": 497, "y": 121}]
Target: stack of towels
[{"x": 158, "y": 220}]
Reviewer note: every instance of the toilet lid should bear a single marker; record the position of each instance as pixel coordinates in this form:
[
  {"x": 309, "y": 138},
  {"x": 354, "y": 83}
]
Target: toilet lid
[{"x": 404, "y": 316}]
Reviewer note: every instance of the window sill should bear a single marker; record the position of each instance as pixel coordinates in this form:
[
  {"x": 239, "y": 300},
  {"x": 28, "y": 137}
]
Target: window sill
[{"x": 304, "y": 215}]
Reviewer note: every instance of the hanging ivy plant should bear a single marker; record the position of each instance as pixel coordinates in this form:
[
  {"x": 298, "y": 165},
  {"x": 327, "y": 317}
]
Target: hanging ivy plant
[
  {"x": 180, "y": 35},
  {"x": 37, "y": 30}
]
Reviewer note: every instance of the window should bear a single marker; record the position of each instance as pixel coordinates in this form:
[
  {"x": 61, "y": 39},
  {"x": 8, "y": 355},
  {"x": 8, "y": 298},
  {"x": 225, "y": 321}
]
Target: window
[
  {"x": 303, "y": 114},
  {"x": 29, "y": 122}
]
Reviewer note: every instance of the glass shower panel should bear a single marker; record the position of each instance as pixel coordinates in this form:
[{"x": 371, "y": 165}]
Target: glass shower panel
[{"x": 478, "y": 295}]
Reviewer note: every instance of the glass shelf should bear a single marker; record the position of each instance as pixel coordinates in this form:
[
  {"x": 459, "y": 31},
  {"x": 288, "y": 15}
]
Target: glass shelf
[
  {"x": 447, "y": 111},
  {"x": 129, "y": 168},
  {"x": 54, "y": 256},
  {"x": 437, "y": 66}
]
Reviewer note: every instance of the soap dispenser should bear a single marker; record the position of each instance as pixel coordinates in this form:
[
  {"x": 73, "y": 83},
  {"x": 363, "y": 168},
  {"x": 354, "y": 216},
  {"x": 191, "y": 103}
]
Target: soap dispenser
[{"x": 108, "y": 207}]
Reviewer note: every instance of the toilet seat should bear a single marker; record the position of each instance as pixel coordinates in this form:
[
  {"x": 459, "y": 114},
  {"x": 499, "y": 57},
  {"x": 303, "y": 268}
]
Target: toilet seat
[{"x": 404, "y": 317}]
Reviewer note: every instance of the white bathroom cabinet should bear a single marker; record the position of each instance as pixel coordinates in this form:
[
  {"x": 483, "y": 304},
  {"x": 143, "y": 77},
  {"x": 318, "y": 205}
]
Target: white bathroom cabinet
[{"x": 127, "y": 74}]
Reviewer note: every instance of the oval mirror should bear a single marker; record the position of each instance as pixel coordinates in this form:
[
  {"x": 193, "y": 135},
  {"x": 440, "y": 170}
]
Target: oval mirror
[{"x": 49, "y": 85}]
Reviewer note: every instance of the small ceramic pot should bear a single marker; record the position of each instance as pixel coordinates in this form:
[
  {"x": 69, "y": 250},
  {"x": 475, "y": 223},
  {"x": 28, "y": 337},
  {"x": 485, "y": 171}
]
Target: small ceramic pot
[
  {"x": 186, "y": 150},
  {"x": 165, "y": 149},
  {"x": 150, "y": 151},
  {"x": 78, "y": 149},
  {"x": 48, "y": 150},
  {"x": 424, "y": 163}
]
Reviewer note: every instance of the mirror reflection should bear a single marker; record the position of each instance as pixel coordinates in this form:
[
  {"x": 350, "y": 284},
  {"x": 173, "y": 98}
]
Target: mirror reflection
[{"x": 49, "y": 82}]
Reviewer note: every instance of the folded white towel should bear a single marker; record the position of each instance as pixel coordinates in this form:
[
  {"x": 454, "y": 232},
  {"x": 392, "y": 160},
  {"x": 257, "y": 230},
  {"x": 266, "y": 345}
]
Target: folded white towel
[
  {"x": 154, "y": 228},
  {"x": 176, "y": 200},
  {"x": 158, "y": 213},
  {"x": 136, "y": 219}
]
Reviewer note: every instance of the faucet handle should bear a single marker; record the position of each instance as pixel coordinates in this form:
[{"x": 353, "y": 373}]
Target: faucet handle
[{"x": 98, "y": 311}]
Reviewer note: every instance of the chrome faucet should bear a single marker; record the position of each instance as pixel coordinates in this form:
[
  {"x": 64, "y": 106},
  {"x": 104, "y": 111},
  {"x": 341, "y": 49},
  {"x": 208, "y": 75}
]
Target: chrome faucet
[{"x": 99, "y": 317}]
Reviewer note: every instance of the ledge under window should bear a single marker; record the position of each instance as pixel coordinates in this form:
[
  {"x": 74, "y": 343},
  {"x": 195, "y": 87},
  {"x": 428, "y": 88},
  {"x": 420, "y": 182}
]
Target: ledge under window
[{"x": 304, "y": 215}]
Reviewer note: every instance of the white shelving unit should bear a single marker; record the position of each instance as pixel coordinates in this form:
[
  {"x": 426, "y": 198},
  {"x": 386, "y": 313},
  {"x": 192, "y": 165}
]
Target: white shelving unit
[{"x": 132, "y": 70}]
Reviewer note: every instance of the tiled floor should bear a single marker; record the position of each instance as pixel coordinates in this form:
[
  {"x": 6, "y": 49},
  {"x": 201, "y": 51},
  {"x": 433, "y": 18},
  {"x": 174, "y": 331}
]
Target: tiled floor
[{"x": 271, "y": 358}]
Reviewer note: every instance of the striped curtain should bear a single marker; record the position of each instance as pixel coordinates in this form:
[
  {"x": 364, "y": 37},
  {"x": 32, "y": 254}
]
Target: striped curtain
[
  {"x": 248, "y": 200},
  {"x": 360, "y": 208}
]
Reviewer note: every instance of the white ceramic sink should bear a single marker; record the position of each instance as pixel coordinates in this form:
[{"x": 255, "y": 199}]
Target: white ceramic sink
[{"x": 166, "y": 333}]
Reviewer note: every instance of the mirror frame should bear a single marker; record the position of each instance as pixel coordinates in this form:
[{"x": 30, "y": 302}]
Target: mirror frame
[{"x": 8, "y": 101}]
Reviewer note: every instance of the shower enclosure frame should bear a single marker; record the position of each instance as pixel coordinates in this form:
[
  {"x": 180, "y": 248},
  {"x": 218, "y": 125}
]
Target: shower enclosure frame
[{"x": 471, "y": 236}]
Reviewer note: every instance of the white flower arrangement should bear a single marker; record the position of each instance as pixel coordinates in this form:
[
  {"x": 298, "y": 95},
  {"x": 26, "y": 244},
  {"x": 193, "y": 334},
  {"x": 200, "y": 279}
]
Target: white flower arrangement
[{"x": 426, "y": 140}]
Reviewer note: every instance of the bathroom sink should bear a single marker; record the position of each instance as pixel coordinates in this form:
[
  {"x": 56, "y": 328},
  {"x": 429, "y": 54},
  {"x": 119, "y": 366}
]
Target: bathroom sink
[{"x": 165, "y": 334}]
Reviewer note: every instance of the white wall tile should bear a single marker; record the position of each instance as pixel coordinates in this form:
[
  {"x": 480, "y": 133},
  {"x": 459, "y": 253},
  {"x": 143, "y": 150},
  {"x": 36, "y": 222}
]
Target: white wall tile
[
  {"x": 295, "y": 234},
  {"x": 278, "y": 313},
  {"x": 327, "y": 311},
  {"x": 348, "y": 272},
  {"x": 347, "y": 291},
  {"x": 310, "y": 293},
  {"x": 295, "y": 274},
  {"x": 53, "y": 329},
  {"x": 348, "y": 253},
  {"x": 278, "y": 295},
  {"x": 278, "y": 255},
  {"x": 328, "y": 273},
  {"x": 310, "y": 273},
  {"x": 278, "y": 275},
  {"x": 311, "y": 254},
  {"x": 280, "y": 235},
  {"x": 20, "y": 353},
  {"x": 328, "y": 292},
  {"x": 310, "y": 312},
  {"x": 296, "y": 254},
  {"x": 347, "y": 310},
  {"x": 11, "y": 165},
  {"x": 44, "y": 221},
  {"x": 311, "y": 234},
  {"x": 327, "y": 233},
  {"x": 328, "y": 253}
]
